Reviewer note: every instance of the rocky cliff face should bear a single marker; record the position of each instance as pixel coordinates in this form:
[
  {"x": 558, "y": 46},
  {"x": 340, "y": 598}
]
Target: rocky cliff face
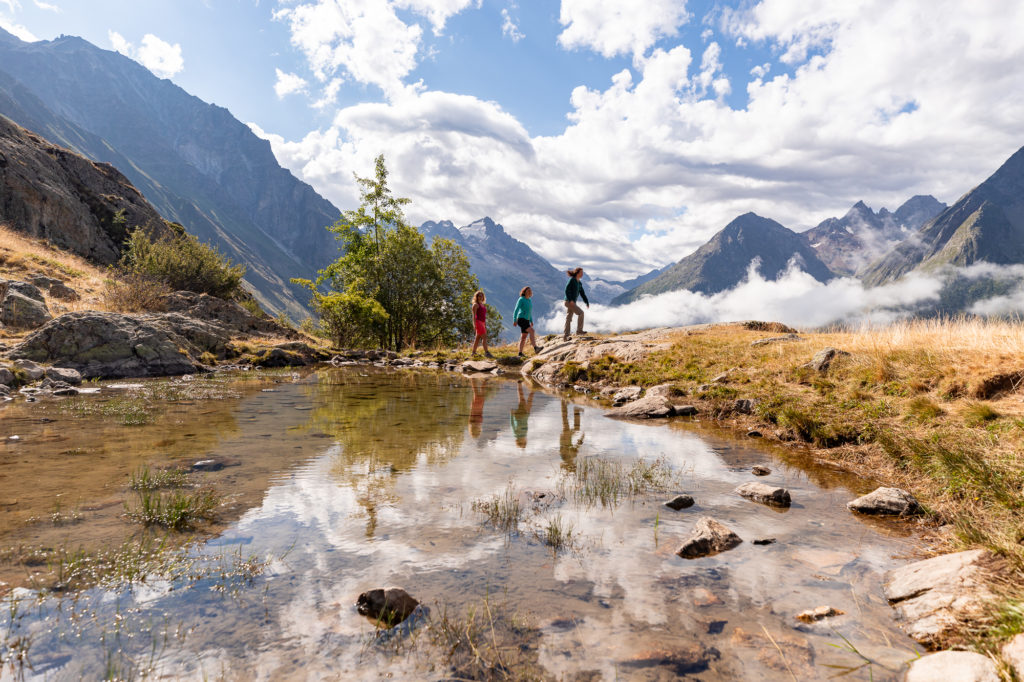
[
  {"x": 49, "y": 192},
  {"x": 195, "y": 162}
]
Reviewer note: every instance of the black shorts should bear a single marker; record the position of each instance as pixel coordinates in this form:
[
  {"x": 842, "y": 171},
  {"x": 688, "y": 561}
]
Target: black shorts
[{"x": 524, "y": 324}]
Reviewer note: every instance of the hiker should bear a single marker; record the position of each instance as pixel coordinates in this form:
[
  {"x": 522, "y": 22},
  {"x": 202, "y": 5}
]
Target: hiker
[
  {"x": 480, "y": 322},
  {"x": 574, "y": 290},
  {"x": 523, "y": 316}
]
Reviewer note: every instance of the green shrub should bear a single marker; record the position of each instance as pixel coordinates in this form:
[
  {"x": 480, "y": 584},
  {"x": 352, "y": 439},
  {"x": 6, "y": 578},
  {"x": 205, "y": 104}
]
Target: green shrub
[
  {"x": 924, "y": 409},
  {"x": 182, "y": 262},
  {"x": 977, "y": 414}
]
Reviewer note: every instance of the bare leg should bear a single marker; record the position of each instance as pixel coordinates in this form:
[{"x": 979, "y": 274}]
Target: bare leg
[
  {"x": 522, "y": 342},
  {"x": 476, "y": 342},
  {"x": 533, "y": 339}
]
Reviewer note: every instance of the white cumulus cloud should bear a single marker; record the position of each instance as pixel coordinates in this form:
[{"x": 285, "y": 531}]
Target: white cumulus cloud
[
  {"x": 288, "y": 84},
  {"x": 612, "y": 27},
  {"x": 654, "y": 162},
  {"x": 160, "y": 57},
  {"x": 509, "y": 27}
]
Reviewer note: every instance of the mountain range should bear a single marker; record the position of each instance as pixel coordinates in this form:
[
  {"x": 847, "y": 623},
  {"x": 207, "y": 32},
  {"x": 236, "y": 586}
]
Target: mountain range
[
  {"x": 199, "y": 166},
  {"x": 196, "y": 163}
]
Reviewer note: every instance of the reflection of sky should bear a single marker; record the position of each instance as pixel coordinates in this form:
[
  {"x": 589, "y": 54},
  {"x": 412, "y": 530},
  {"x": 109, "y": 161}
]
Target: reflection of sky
[{"x": 623, "y": 590}]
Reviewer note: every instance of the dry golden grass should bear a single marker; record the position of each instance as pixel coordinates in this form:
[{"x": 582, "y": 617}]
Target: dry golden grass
[{"x": 21, "y": 256}]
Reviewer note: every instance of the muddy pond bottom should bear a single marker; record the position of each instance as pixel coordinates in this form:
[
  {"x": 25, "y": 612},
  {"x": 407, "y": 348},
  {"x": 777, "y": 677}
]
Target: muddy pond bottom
[{"x": 532, "y": 529}]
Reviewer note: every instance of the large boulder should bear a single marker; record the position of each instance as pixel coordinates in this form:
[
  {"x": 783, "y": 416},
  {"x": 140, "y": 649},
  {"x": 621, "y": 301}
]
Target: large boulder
[
  {"x": 940, "y": 597},
  {"x": 22, "y": 305},
  {"x": 1013, "y": 654},
  {"x": 115, "y": 345},
  {"x": 946, "y": 666}
]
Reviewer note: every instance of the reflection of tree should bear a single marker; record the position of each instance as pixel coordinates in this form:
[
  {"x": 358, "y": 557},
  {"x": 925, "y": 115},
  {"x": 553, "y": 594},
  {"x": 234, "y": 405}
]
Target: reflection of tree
[
  {"x": 387, "y": 423},
  {"x": 566, "y": 447},
  {"x": 521, "y": 415}
]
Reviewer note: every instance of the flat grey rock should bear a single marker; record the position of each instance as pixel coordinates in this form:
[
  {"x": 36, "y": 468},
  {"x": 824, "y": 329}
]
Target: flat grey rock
[
  {"x": 765, "y": 494},
  {"x": 937, "y": 597},
  {"x": 886, "y": 501},
  {"x": 950, "y": 666}
]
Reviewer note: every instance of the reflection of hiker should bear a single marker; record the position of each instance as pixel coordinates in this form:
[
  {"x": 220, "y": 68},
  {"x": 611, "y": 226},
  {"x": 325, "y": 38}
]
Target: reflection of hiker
[
  {"x": 476, "y": 409},
  {"x": 574, "y": 290},
  {"x": 566, "y": 448},
  {"x": 523, "y": 316},
  {"x": 480, "y": 322},
  {"x": 521, "y": 415}
]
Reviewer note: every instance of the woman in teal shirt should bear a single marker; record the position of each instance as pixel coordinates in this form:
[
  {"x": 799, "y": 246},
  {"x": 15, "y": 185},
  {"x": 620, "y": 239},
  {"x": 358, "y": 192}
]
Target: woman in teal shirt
[{"x": 523, "y": 316}]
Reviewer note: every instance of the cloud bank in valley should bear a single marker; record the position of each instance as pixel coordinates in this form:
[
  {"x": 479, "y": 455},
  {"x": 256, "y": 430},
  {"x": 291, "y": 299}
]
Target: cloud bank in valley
[{"x": 799, "y": 300}]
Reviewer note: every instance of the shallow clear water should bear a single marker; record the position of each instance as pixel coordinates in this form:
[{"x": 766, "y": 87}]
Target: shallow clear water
[{"x": 356, "y": 478}]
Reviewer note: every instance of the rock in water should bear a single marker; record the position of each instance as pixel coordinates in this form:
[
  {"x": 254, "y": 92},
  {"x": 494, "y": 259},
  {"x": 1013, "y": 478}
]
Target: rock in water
[
  {"x": 812, "y": 615},
  {"x": 626, "y": 394},
  {"x": 388, "y": 606},
  {"x": 708, "y": 537},
  {"x": 765, "y": 494},
  {"x": 760, "y": 470},
  {"x": 680, "y": 502},
  {"x": 946, "y": 666},
  {"x": 648, "y": 407},
  {"x": 937, "y": 597},
  {"x": 471, "y": 366},
  {"x": 887, "y": 501}
]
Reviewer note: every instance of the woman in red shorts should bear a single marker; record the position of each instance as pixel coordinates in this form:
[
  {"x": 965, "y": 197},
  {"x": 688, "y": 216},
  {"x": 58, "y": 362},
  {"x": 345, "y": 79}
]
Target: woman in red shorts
[{"x": 480, "y": 322}]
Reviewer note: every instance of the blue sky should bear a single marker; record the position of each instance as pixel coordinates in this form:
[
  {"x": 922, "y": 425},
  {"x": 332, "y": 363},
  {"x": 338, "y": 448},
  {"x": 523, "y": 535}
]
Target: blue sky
[{"x": 617, "y": 137}]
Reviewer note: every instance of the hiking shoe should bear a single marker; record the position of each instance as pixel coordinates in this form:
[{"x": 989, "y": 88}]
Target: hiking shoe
[
  {"x": 522, "y": 354},
  {"x": 487, "y": 354},
  {"x": 537, "y": 349}
]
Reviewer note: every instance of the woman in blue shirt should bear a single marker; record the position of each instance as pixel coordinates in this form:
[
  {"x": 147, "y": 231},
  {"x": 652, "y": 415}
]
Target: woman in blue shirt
[{"x": 523, "y": 316}]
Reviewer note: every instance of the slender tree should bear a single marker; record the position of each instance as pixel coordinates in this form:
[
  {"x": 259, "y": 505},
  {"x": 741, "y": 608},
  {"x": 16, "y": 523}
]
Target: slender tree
[{"x": 389, "y": 287}]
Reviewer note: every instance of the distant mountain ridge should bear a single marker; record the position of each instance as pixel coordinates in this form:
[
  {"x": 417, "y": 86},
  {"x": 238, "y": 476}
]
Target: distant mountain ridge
[
  {"x": 849, "y": 244},
  {"x": 196, "y": 163},
  {"x": 722, "y": 262}
]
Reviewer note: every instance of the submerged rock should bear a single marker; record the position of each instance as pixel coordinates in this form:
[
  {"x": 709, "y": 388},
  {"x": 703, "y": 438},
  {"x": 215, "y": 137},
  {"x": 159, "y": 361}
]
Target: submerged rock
[
  {"x": 946, "y": 666},
  {"x": 708, "y": 537},
  {"x": 886, "y": 501},
  {"x": 765, "y": 494},
  {"x": 679, "y": 661},
  {"x": 760, "y": 470},
  {"x": 680, "y": 502},
  {"x": 938, "y": 597},
  {"x": 764, "y": 541},
  {"x": 388, "y": 606},
  {"x": 822, "y": 612}
]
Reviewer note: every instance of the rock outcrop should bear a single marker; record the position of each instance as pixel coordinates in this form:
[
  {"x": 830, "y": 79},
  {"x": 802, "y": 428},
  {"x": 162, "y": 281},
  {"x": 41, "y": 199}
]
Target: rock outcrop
[
  {"x": 939, "y": 597},
  {"x": 78, "y": 205},
  {"x": 114, "y": 345},
  {"x": 22, "y": 305}
]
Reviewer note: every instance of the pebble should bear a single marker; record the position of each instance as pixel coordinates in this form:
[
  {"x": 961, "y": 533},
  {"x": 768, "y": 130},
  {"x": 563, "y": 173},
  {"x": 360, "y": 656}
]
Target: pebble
[
  {"x": 760, "y": 470},
  {"x": 680, "y": 502}
]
